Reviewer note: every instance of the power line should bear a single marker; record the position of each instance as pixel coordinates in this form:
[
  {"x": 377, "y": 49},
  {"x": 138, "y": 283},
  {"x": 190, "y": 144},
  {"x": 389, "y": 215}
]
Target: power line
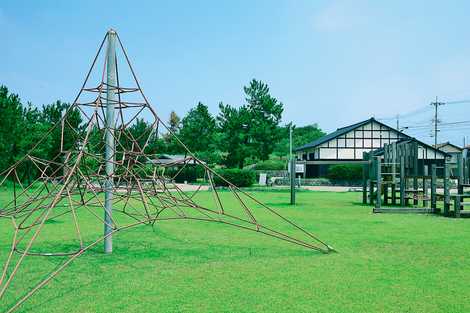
[{"x": 457, "y": 102}]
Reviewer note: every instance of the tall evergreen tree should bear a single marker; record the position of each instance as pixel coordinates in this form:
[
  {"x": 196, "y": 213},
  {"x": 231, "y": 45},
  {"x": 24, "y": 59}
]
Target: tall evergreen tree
[
  {"x": 234, "y": 125},
  {"x": 51, "y": 115},
  {"x": 174, "y": 123},
  {"x": 12, "y": 127},
  {"x": 266, "y": 112},
  {"x": 198, "y": 129}
]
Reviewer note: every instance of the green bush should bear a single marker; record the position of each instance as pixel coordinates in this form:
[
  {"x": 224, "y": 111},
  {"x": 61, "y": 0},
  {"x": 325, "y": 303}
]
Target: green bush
[
  {"x": 345, "y": 172},
  {"x": 143, "y": 171},
  {"x": 238, "y": 177},
  {"x": 189, "y": 174},
  {"x": 271, "y": 165}
]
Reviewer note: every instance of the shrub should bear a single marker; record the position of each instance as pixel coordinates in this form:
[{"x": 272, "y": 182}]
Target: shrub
[
  {"x": 143, "y": 171},
  {"x": 210, "y": 157},
  {"x": 273, "y": 165},
  {"x": 238, "y": 177},
  {"x": 189, "y": 174},
  {"x": 345, "y": 172}
]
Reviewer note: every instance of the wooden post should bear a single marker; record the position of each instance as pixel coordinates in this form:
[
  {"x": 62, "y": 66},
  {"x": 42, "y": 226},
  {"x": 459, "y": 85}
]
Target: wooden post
[
  {"x": 433, "y": 187},
  {"x": 467, "y": 170},
  {"x": 446, "y": 189},
  {"x": 415, "y": 190},
  {"x": 371, "y": 180},
  {"x": 365, "y": 171},
  {"x": 457, "y": 206},
  {"x": 415, "y": 173},
  {"x": 385, "y": 188},
  {"x": 425, "y": 187},
  {"x": 378, "y": 165},
  {"x": 465, "y": 165},
  {"x": 460, "y": 174},
  {"x": 394, "y": 194},
  {"x": 402, "y": 182}
]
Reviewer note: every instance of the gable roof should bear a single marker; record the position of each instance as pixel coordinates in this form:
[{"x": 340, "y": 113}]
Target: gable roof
[
  {"x": 441, "y": 145},
  {"x": 341, "y": 131}
]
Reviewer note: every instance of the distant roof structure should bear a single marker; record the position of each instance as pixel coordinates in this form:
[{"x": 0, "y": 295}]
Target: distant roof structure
[
  {"x": 169, "y": 159},
  {"x": 339, "y": 132},
  {"x": 443, "y": 145}
]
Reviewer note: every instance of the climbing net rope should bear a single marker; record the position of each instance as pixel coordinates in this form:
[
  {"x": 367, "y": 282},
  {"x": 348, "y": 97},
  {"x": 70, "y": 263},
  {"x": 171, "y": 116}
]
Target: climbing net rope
[{"x": 144, "y": 190}]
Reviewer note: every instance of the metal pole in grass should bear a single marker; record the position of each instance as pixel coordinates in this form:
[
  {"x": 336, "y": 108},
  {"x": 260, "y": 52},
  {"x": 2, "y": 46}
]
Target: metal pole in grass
[
  {"x": 433, "y": 187},
  {"x": 378, "y": 202},
  {"x": 111, "y": 86},
  {"x": 292, "y": 168}
]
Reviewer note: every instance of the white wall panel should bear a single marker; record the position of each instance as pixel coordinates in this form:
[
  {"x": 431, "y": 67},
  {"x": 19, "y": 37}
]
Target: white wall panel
[
  {"x": 346, "y": 153},
  {"x": 326, "y": 153}
]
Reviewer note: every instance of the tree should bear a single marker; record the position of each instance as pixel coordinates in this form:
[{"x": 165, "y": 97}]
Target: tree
[
  {"x": 174, "y": 122},
  {"x": 234, "y": 126},
  {"x": 139, "y": 132},
  {"x": 51, "y": 116},
  {"x": 174, "y": 125},
  {"x": 300, "y": 136},
  {"x": 252, "y": 130},
  {"x": 198, "y": 129},
  {"x": 265, "y": 115},
  {"x": 12, "y": 126}
]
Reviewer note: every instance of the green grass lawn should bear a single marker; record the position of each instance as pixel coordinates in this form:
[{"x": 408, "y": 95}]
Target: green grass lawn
[{"x": 385, "y": 263}]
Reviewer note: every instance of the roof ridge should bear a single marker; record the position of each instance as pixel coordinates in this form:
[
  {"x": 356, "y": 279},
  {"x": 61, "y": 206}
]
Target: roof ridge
[{"x": 368, "y": 120}]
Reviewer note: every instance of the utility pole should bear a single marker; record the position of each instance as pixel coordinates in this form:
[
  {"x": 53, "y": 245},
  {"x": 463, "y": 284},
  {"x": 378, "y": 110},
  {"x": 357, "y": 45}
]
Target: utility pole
[
  {"x": 398, "y": 122},
  {"x": 436, "y": 104},
  {"x": 111, "y": 88},
  {"x": 292, "y": 168}
]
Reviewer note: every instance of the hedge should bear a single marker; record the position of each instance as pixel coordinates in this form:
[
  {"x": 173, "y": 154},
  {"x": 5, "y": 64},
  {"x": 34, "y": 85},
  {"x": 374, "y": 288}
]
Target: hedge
[
  {"x": 238, "y": 177},
  {"x": 346, "y": 172},
  {"x": 188, "y": 174},
  {"x": 271, "y": 165}
]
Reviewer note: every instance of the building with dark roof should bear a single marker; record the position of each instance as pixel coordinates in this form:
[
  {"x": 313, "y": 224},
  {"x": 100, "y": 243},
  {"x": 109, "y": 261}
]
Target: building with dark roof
[
  {"x": 347, "y": 144},
  {"x": 451, "y": 149}
]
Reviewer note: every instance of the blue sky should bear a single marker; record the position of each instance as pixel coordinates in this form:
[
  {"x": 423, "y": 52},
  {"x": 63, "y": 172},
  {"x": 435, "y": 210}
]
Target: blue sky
[{"x": 330, "y": 62}]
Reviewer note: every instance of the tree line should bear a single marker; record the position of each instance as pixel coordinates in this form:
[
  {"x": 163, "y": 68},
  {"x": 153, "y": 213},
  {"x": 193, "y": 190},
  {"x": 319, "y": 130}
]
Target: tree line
[{"x": 235, "y": 137}]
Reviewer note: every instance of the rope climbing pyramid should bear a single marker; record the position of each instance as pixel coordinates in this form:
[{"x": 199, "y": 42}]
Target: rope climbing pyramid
[{"x": 105, "y": 170}]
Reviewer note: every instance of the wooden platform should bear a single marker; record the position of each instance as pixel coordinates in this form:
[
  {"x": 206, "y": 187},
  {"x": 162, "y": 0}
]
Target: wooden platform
[
  {"x": 464, "y": 213},
  {"x": 403, "y": 210}
]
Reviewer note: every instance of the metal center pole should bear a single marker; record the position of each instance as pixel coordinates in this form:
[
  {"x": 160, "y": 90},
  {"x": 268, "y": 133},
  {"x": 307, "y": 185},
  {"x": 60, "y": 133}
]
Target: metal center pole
[
  {"x": 110, "y": 141},
  {"x": 292, "y": 168}
]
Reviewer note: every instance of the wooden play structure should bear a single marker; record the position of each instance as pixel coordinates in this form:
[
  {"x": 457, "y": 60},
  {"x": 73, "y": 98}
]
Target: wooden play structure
[{"x": 406, "y": 177}]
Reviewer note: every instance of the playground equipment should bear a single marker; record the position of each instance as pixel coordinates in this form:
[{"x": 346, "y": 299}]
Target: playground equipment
[
  {"x": 104, "y": 171},
  {"x": 398, "y": 179}
]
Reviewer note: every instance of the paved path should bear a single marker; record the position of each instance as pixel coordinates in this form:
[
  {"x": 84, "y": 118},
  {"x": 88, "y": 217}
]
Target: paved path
[{"x": 330, "y": 188}]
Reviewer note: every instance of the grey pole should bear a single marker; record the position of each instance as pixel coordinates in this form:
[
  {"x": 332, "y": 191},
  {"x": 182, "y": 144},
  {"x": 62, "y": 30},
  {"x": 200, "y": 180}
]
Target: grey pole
[
  {"x": 378, "y": 163},
  {"x": 110, "y": 142},
  {"x": 292, "y": 169},
  {"x": 433, "y": 187}
]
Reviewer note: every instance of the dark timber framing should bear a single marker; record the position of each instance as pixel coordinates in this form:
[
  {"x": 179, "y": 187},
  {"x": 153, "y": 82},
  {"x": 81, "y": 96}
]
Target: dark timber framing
[
  {"x": 392, "y": 168},
  {"x": 348, "y": 144}
]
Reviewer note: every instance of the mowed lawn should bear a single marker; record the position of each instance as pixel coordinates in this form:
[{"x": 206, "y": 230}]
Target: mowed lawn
[{"x": 385, "y": 263}]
